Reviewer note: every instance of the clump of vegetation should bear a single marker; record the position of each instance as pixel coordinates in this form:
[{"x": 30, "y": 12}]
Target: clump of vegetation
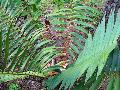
[{"x": 59, "y": 44}]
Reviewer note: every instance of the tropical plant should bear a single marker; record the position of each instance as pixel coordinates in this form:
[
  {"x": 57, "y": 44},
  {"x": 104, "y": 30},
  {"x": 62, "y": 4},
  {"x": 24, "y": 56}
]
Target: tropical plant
[
  {"x": 77, "y": 21},
  {"x": 23, "y": 52},
  {"x": 93, "y": 58}
]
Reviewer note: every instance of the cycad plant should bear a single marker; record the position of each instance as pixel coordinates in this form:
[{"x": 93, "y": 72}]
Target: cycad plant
[
  {"x": 23, "y": 51},
  {"x": 74, "y": 22},
  {"x": 92, "y": 60}
]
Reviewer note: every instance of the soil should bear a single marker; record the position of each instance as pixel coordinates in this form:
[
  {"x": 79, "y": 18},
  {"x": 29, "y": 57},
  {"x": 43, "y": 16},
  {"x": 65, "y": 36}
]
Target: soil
[{"x": 30, "y": 83}]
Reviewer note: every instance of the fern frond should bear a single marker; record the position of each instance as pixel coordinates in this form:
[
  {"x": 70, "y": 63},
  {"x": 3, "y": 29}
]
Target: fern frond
[
  {"x": 8, "y": 76},
  {"x": 21, "y": 52},
  {"x": 81, "y": 19},
  {"x": 94, "y": 55}
]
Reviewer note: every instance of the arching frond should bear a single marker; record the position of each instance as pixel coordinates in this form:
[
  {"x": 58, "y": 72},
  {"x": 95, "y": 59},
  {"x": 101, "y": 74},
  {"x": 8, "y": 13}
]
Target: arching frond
[
  {"x": 78, "y": 20},
  {"x": 21, "y": 54},
  {"x": 94, "y": 56}
]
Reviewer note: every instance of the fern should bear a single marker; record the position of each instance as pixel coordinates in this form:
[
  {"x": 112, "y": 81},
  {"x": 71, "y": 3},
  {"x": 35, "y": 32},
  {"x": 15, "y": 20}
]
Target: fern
[
  {"x": 94, "y": 55},
  {"x": 21, "y": 54},
  {"x": 79, "y": 20}
]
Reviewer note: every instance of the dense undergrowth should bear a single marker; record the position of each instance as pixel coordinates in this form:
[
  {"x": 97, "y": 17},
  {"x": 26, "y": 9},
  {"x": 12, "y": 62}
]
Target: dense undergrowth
[{"x": 59, "y": 45}]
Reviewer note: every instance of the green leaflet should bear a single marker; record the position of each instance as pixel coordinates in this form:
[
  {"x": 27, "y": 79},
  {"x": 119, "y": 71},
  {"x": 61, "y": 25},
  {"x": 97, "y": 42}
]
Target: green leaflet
[
  {"x": 5, "y": 76},
  {"x": 0, "y": 44},
  {"x": 80, "y": 18},
  {"x": 20, "y": 48},
  {"x": 7, "y": 47},
  {"x": 96, "y": 84},
  {"x": 114, "y": 82},
  {"x": 93, "y": 56}
]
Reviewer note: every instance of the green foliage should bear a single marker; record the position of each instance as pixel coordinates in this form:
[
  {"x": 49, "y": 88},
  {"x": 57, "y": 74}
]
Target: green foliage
[
  {"x": 94, "y": 56},
  {"x": 91, "y": 84},
  {"x": 23, "y": 52},
  {"x": 113, "y": 63},
  {"x": 114, "y": 82},
  {"x": 79, "y": 15},
  {"x": 79, "y": 20},
  {"x": 13, "y": 86}
]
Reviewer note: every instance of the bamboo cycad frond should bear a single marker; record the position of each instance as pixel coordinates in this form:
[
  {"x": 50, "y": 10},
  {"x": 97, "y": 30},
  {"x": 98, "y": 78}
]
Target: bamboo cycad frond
[
  {"x": 21, "y": 54},
  {"x": 94, "y": 56}
]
